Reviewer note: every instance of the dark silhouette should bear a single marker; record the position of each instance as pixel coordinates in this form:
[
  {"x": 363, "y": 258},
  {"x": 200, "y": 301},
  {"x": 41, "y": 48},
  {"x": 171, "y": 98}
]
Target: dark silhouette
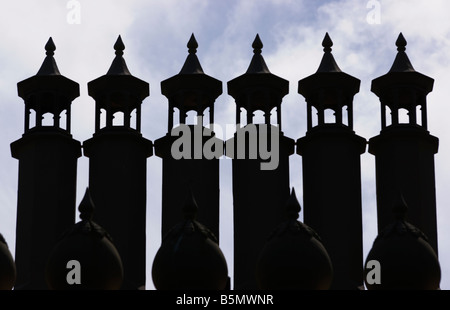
[
  {"x": 407, "y": 259},
  {"x": 118, "y": 155},
  {"x": 47, "y": 156},
  {"x": 189, "y": 257},
  {"x": 331, "y": 168},
  {"x": 89, "y": 245},
  {"x": 259, "y": 196},
  {"x": 7, "y": 266},
  {"x": 294, "y": 258},
  {"x": 404, "y": 150},
  {"x": 324, "y": 252},
  {"x": 190, "y": 90}
]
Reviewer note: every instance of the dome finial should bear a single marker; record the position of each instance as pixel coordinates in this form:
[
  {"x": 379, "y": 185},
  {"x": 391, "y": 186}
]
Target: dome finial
[
  {"x": 327, "y": 43},
  {"x": 257, "y": 45},
  {"x": 119, "y": 46},
  {"x": 50, "y": 47},
  {"x": 190, "y": 207},
  {"x": 400, "y": 208},
  {"x": 293, "y": 206},
  {"x": 86, "y": 207},
  {"x": 401, "y": 43},
  {"x": 192, "y": 45}
]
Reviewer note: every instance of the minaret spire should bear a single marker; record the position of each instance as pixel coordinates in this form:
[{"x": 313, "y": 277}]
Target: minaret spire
[
  {"x": 192, "y": 64},
  {"x": 192, "y": 44},
  {"x": 257, "y": 45},
  {"x": 119, "y": 46},
  {"x": 118, "y": 66},
  {"x": 327, "y": 43},
  {"x": 49, "y": 66},
  {"x": 401, "y": 62},
  {"x": 257, "y": 64},
  {"x": 401, "y": 43},
  {"x": 328, "y": 64}
]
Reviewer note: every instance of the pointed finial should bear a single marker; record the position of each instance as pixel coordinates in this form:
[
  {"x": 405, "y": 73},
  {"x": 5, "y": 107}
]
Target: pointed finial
[
  {"x": 401, "y": 43},
  {"x": 400, "y": 208},
  {"x": 293, "y": 206},
  {"x": 119, "y": 46},
  {"x": 192, "y": 45},
  {"x": 49, "y": 66},
  {"x": 327, "y": 43},
  {"x": 190, "y": 207},
  {"x": 50, "y": 47},
  {"x": 257, "y": 45},
  {"x": 86, "y": 207}
]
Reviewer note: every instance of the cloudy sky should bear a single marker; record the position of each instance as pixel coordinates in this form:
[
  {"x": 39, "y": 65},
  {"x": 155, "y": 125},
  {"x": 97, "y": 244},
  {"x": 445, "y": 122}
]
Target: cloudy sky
[{"x": 155, "y": 34}]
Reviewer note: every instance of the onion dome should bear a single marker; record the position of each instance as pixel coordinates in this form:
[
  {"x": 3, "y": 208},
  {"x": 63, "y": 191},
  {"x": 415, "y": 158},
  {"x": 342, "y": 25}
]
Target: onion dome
[
  {"x": 189, "y": 256},
  {"x": 294, "y": 257},
  {"x": 7, "y": 266},
  {"x": 406, "y": 259},
  {"x": 91, "y": 248}
]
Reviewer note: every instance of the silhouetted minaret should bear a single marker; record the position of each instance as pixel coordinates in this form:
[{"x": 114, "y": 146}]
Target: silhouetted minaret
[
  {"x": 260, "y": 154},
  {"x": 118, "y": 164},
  {"x": 331, "y": 168},
  {"x": 190, "y": 152},
  {"x": 47, "y": 156},
  {"x": 404, "y": 150}
]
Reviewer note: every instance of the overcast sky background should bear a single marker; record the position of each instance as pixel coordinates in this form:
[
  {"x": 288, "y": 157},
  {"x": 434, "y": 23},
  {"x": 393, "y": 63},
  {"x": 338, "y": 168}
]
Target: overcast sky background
[{"x": 155, "y": 34}]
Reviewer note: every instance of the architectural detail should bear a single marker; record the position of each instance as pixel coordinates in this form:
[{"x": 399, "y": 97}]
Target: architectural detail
[
  {"x": 324, "y": 252},
  {"x": 294, "y": 257},
  {"x": 259, "y": 195},
  {"x": 331, "y": 168},
  {"x": 189, "y": 257},
  {"x": 118, "y": 155},
  {"x": 404, "y": 150},
  {"x": 47, "y": 156},
  {"x": 89, "y": 245},
  {"x": 402, "y": 244},
  {"x": 186, "y": 166}
]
